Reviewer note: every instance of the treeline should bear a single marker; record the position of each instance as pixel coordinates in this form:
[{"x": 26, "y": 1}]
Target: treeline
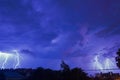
[
  {"x": 48, "y": 74},
  {"x": 65, "y": 74}
]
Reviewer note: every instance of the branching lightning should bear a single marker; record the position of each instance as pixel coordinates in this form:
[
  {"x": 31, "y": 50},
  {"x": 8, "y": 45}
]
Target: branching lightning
[
  {"x": 105, "y": 63},
  {"x": 5, "y": 57},
  {"x": 97, "y": 63},
  {"x": 17, "y": 59},
  {"x": 5, "y": 61}
]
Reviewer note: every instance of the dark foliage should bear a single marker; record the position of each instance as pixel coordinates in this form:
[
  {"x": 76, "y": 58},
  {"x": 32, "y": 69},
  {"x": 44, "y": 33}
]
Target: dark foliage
[
  {"x": 118, "y": 58},
  {"x": 64, "y": 74}
]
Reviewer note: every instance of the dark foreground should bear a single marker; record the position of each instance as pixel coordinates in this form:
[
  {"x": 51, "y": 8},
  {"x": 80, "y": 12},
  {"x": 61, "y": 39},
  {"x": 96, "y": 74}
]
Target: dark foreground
[{"x": 48, "y": 74}]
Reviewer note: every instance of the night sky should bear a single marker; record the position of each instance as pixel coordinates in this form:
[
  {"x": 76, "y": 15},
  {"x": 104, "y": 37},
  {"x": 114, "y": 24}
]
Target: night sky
[{"x": 48, "y": 31}]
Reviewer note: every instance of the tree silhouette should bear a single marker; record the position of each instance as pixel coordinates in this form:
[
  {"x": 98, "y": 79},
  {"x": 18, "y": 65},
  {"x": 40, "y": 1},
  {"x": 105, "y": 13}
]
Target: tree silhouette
[
  {"x": 64, "y": 66},
  {"x": 65, "y": 74},
  {"x": 118, "y": 58},
  {"x": 72, "y": 74},
  {"x": 78, "y": 74}
]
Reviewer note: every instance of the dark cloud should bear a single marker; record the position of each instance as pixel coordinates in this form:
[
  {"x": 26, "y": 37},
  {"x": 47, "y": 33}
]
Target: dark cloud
[
  {"x": 109, "y": 31},
  {"x": 26, "y": 51}
]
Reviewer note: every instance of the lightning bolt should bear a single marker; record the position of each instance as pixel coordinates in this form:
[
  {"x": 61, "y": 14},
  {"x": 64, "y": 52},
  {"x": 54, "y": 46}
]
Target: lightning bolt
[
  {"x": 5, "y": 61},
  {"x": 104, "y": 65},
  {"x": 6, "y": 56},
  {"x": 17, "y": 59},
  {"x": 108, "y": 63},
  {"x": 97, "y": 63}
]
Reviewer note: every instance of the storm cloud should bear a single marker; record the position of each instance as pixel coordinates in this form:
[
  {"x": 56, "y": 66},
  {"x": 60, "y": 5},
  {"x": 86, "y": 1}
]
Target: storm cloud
[{"x": 60, "y": 29}]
